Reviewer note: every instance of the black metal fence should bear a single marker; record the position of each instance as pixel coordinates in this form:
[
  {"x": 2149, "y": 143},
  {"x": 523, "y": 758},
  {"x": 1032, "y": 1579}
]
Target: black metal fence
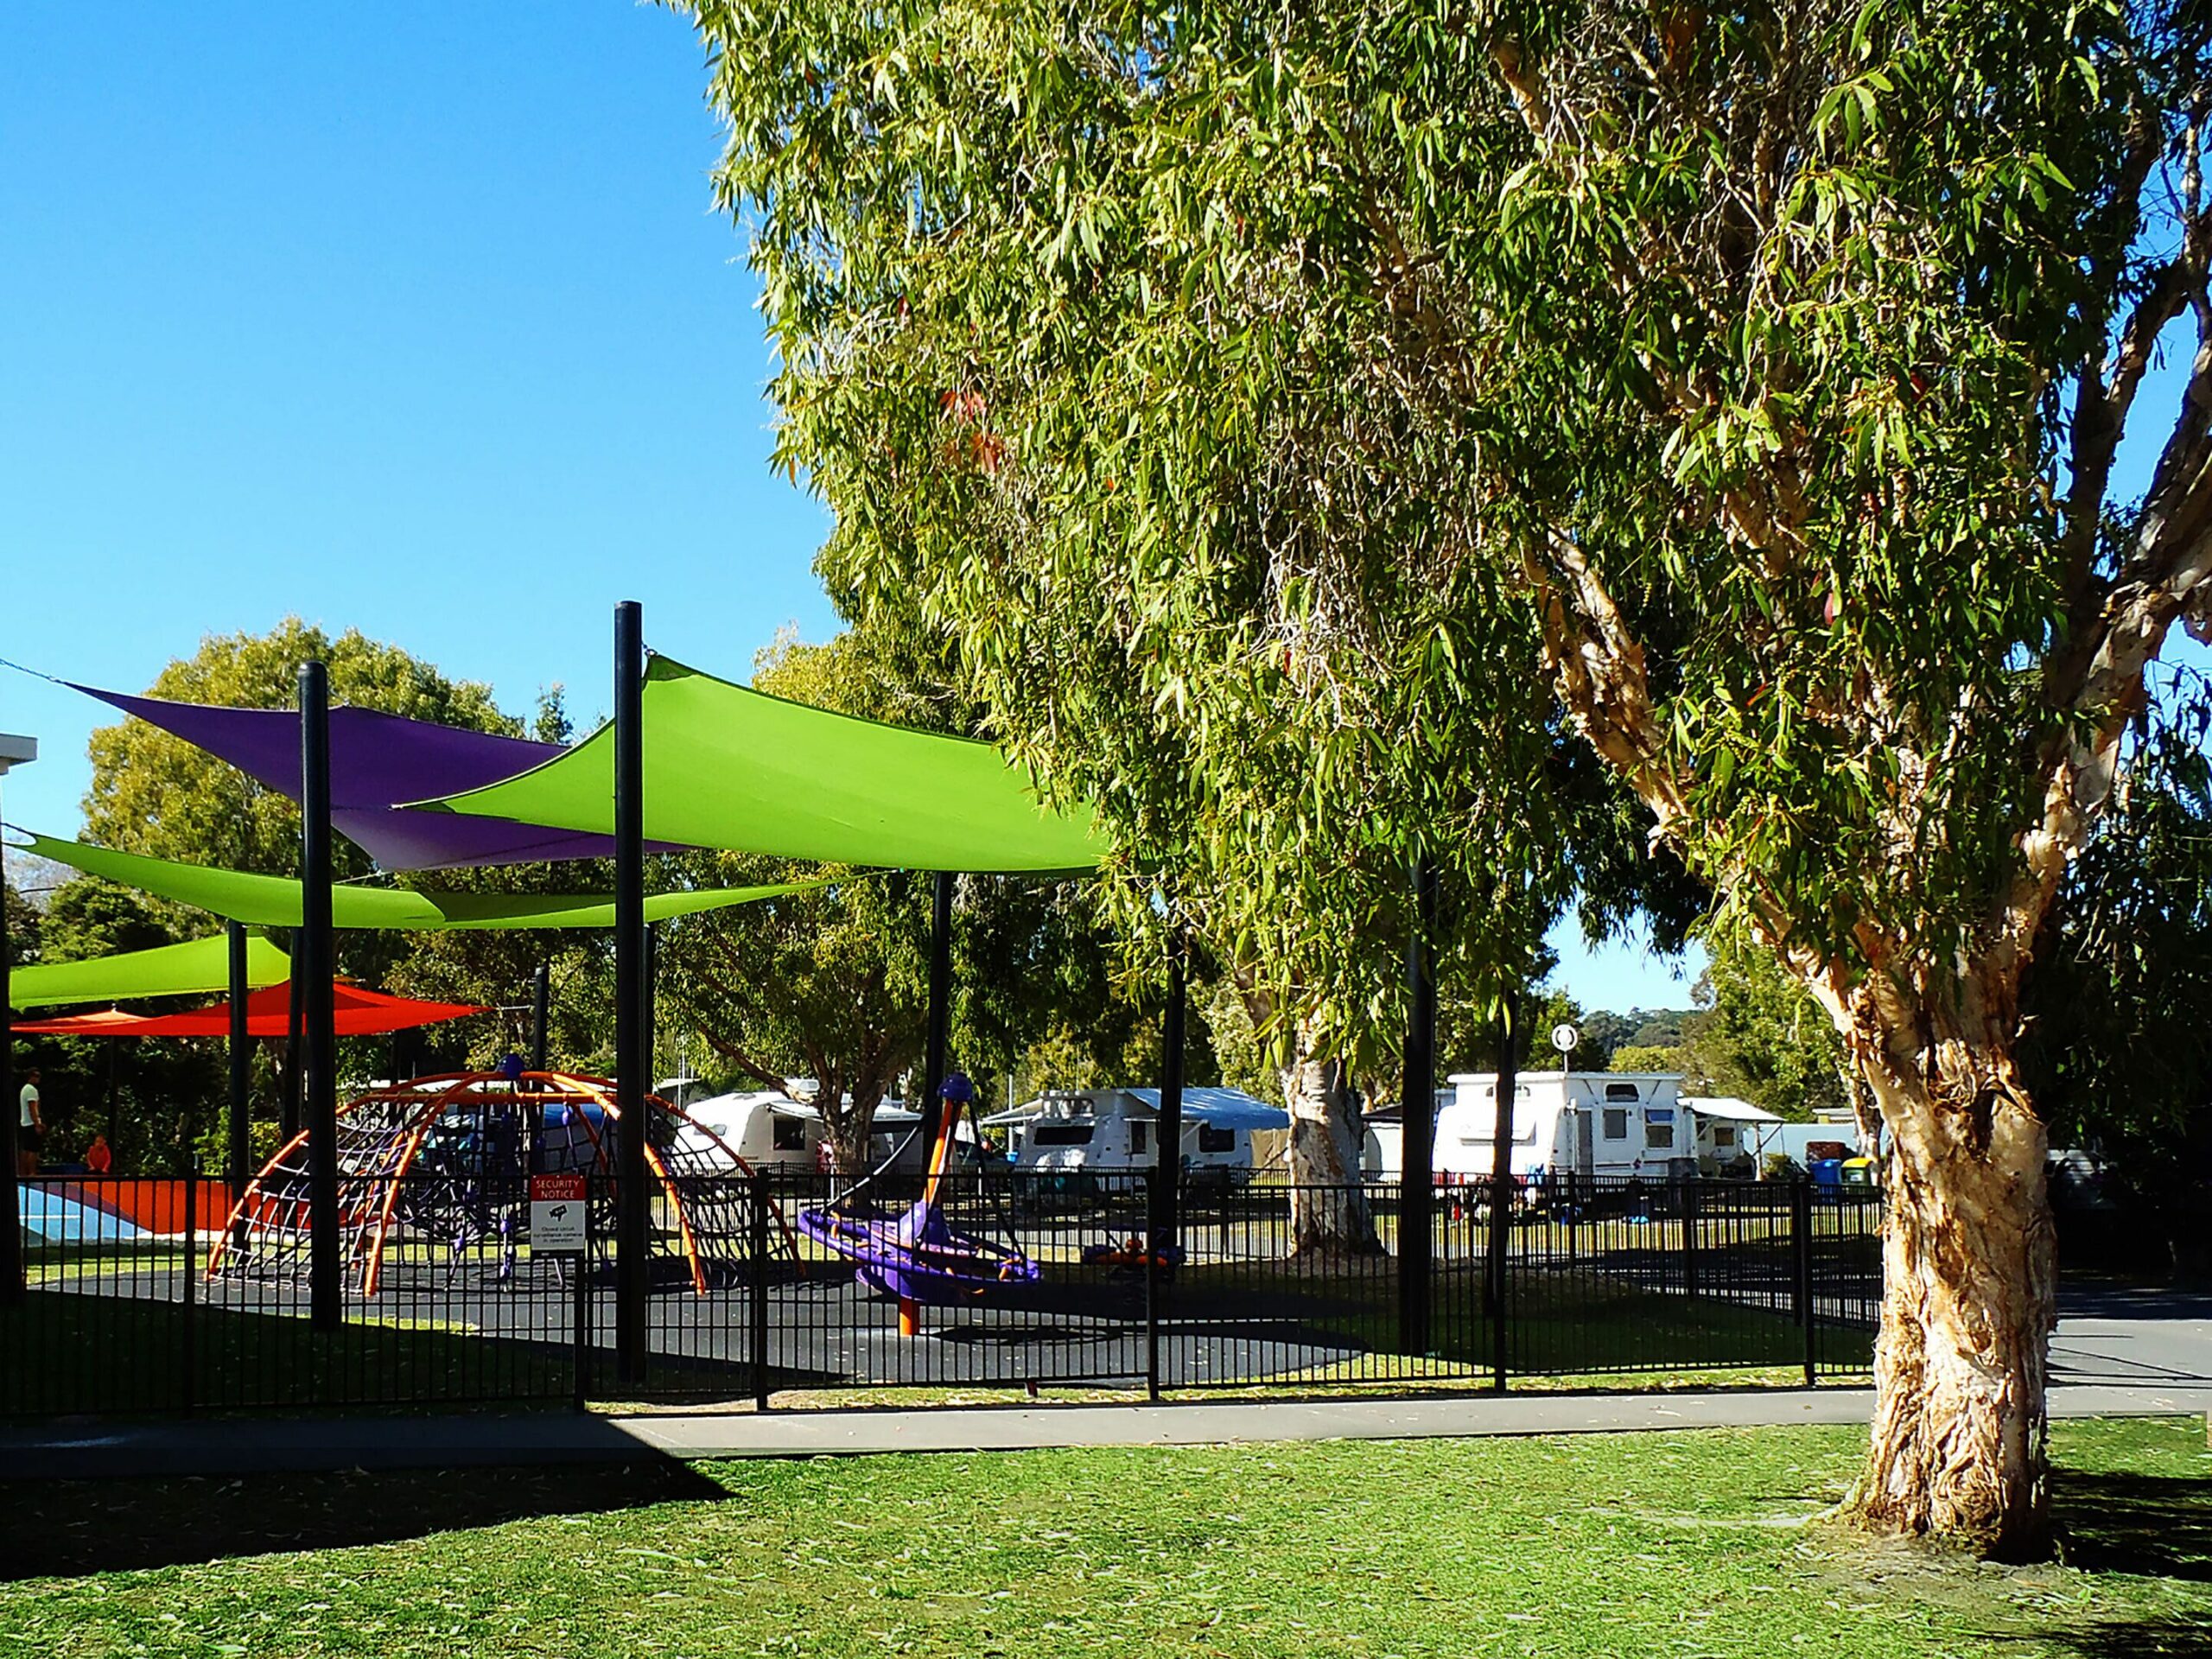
[{"x": 139, "y": 1301}]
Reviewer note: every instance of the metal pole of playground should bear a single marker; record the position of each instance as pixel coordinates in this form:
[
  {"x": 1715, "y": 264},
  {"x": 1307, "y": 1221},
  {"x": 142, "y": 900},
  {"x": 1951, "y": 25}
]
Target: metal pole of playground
[
  {"x": 13, "y": 752},
  {"x": 312, "y": 966},
  {"x": 938, "y": 1040},
  {"x": 630, "y": 1058},
  {"x": 1417, "y": 1113}
]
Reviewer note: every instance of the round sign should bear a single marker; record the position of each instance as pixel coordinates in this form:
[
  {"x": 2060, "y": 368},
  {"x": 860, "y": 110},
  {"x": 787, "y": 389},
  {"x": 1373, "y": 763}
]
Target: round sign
[{"x": 1564, "y": 1038}]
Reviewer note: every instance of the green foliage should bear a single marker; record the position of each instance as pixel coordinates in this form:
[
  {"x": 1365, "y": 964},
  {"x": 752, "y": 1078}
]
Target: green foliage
[
  {"x": 1762, "y": 1038},
  {"x": 2119, "y": 1051},
  {"x": 1642, "y": 1057}
]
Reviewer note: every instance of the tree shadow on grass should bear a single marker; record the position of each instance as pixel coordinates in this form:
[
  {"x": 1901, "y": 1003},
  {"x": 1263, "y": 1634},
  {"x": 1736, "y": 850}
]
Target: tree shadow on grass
[
  {"x": 2136, "y": 1638},
  {"x": 2137, "y": 1526},
  {"x": 67, "y": 1528},
  {"x": 2153, "y": 1525}
]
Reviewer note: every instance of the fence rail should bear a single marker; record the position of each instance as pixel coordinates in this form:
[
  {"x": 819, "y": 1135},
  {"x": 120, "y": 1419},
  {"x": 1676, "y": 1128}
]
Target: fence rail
[{"x": 182, "y": 1302}]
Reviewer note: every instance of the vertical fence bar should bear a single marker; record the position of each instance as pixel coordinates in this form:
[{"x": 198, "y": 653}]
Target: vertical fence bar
[
  {"x": 190, "y": 1368},
  {"x": 1689, "y": 1208},
  {"x": 758, "y": 1333},
  {"x": 326, "y": 1291},
  {"x": 1800, "y": 1232},
  {"x": 632, "y": 1201}
]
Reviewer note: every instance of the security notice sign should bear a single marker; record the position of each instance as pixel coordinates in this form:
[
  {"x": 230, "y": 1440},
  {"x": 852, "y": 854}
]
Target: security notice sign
[{"x": 557, "y": 1215}]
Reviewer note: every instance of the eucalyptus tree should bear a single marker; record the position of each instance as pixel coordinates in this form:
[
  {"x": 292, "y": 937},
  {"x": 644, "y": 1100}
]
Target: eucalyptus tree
[{"x": 1293, "y": 412}]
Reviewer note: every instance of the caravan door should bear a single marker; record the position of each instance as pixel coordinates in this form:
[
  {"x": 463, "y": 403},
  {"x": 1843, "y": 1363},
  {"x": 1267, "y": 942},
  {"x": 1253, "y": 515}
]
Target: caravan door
[{"x": 1584, "y": 1161}]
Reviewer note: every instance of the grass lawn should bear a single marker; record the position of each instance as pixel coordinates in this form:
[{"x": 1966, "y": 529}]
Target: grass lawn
[{"x": 1701, "y": 1543}]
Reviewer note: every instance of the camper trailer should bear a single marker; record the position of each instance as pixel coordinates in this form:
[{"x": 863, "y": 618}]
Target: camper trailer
[
  {"x": 1114, "y": 1132},
  {"x": 1581, "y": 1123},
  {"x": 766, "y": 1128}
]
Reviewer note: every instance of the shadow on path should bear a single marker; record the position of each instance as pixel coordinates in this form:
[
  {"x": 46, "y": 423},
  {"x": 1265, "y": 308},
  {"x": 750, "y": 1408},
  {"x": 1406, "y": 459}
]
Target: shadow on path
[{"x": 68, "y": 1527}]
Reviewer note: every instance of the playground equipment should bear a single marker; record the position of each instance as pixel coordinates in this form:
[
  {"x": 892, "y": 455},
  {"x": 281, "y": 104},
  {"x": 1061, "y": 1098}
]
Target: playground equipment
[
  {"x": 438, "y": 1169},
  {"x": 916, "y": 1255}
]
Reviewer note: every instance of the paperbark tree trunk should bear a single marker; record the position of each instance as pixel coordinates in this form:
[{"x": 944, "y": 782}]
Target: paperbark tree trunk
[
  {"x": 1328, "y": 1207},
  {"x": 1958, "y": 1443}
]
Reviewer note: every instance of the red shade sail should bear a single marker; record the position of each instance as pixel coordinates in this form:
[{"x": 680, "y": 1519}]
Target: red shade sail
[{"x": 360, "y": 1013}]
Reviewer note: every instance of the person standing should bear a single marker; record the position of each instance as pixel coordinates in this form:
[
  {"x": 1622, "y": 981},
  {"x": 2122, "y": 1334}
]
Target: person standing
[{"x": 31, "y": 1130}]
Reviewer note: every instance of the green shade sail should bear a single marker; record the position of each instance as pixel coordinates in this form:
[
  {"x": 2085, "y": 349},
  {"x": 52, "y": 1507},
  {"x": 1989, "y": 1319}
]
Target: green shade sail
[
  {"x": 273, "y": 900},
  {"x": 186, "y": 970},
  {"x": 730, "y": 767}
]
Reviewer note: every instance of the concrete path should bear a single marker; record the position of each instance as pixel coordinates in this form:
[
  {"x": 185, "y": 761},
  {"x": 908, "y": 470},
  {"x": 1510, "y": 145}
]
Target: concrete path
[{"x": 223, "y": 1447}]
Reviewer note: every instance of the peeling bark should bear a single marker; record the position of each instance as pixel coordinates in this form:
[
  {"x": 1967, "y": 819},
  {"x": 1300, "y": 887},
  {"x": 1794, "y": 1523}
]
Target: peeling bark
[
  {"x": 1970, "y": 1279},
  {"x": 1328, "y": 1207}
]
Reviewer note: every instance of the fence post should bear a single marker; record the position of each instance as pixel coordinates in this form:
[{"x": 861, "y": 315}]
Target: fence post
[
  {"x": 1800, "y": 1228},
  {"x": 580, "y": 1316},
  {"x": 1689, "y": 1194},
  {"x": 1155, "y": 1198},
  {"x": 191, "y": 1282},
  {"x": 757, "y": 1309}
]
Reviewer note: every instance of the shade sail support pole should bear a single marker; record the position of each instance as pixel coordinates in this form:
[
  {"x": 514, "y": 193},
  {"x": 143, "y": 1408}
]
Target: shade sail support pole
[
  {"x": 540, "y": 999},
  {"x": 312, "y": 961},
  {"x": 1417, "y": 1119},
  {"x": 287, "y": 1105},
  {"x": 12, "y": 1287},
  {"x": 939, "y": 1030},
  {"x": 240, "y": 1160},
  {"x": 630, "y": 993},
  {"x": 1502, "y": 1194},
  {"x": 1168, "y": 1190}
]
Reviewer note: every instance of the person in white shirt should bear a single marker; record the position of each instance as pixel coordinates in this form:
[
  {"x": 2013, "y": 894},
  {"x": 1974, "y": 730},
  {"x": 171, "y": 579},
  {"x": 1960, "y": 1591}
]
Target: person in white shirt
[{"x": 30, "y": 1131}]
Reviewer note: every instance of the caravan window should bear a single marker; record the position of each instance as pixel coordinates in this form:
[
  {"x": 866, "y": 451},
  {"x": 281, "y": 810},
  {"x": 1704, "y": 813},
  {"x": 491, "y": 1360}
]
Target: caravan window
[
  {"x": 1139, "y": 1136},
  {"x": 1622, "y": 1091},
  {"x": 1658, "y": 1128},
  {"x": 1723, "y": 1135},
  {"x": 1213, "y": 1140},
  {"x": 790, "y": 1133},
  {"x": 1060, "y": 1134},
  {"x": 1616, "y": 1123}
]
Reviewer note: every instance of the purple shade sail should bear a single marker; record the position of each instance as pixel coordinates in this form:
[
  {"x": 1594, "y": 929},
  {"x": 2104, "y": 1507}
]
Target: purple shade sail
[{"x": 376, "y": 761}]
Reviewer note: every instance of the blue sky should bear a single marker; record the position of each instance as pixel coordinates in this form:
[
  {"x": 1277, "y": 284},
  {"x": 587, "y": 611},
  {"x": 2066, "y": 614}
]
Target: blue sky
[{"x": 403, "y": 317}]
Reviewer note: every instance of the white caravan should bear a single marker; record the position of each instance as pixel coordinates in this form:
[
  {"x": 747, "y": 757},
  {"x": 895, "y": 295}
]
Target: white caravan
[
  {"x": 1115, "y": 1131},
  {"x": 767, "y": 1128},
  {"x": 1581, "y": 1123}
]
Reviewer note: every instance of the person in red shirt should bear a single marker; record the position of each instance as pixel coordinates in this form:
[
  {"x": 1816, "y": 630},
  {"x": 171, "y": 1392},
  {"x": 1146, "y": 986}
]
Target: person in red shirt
[{"x": 98, "y": 1157}]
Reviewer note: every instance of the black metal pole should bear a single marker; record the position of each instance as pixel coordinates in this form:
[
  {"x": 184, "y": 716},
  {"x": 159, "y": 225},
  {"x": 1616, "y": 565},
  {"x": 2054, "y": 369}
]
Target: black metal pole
[
  {"x": 241, "y": 1147},
  {"x": 757, "y": 1309},
  {"x": 1417, "y": 1122},
  {"x": 295, "y": 1029},
  {"x": 1500, "y": 1178},
  {"x": 12, "y": 1287},
  {"x": 1168, "y": 1192},
  {"x": 632, "y": 1205},
  {"x": 540, "y": 996},
  {"x": 312, "y": 963},
  {"x": 940, "y": 1012}
]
